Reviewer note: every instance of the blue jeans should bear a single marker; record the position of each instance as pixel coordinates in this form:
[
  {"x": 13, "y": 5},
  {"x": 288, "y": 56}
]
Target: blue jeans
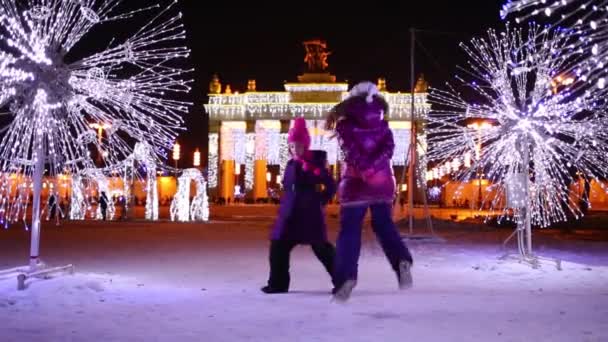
[{"x": 348, "y": 246}]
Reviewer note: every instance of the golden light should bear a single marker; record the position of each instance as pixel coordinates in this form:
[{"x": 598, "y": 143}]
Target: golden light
[
  {"x": 268, "y": 176},
  {"x": 467, "y": 159},
  {"x": 455, "y": 164},
  {"x": 176, "y": 151},
  {"x": 237, "y": 169},
  {"x": 403, "y": 187},
  {"x": 561, "y": 81},
  {"x": 100, "y": 127},
  {"x": 197, "y": 158}
]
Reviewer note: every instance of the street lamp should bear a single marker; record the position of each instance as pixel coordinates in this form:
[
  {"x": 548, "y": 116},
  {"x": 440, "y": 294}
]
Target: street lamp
[
  {"x": 197, "y": 158},
  {"x": 479, "y": 126},
  {"x": 176, "y": 153}
]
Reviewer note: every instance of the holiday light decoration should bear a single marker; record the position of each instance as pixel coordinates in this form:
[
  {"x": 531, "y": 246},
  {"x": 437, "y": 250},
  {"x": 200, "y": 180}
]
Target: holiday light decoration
[
  {"x": 144, "y": 155},
  {"x": 401, "y": 136},
  {"x": 181, "y": 210},
  {"x": 103, "y": 185},
  {"x": 320, "y": 87},
  {"x": 536, "y": 139},
  {"x": 249, "y": 160},
  {"x": 563, "y": 8},
  {"x": 77, "y": 201},
  {"x": 213, "y": 160},
  {"x": 199, "y": 208},
  {"x": 284, "y": 154},
  {"x": 247, "y": 106},
  {"x": 587, "y": 20},
  {"x": 267, "y": 140},
  {"x": 274, "y": 145},
  {"x": 196, "y": 160},
  {"x": 52, "y": 97},
  {"x": 233, "y": 141}
]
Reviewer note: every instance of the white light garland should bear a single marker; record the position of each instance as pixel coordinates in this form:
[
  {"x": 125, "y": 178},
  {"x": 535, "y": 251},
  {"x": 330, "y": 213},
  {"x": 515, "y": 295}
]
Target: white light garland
[
  {"x": 285, "y": 156},
  {"x": 144, "y": 155},
  {"x": 320, "y": 87},
  {"x": 181, "y": 209},
  {"x": 535, "y": 137},
  {"x": 250, "y": 160},
  {"x": 400, "y": 105},
  {"x": 77, "y": 201},
  {"x": 213, "y": 160},
  {"x": 266, "y": 136},
  {"x": 127, "y": 86},
  {"x": 401, "y": 136},
  {"x": 588, "y": 21},
  {"x": 232, "y": 141}
]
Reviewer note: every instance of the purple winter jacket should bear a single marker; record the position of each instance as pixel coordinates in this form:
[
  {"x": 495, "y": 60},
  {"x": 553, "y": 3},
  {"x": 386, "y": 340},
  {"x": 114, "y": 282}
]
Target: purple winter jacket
[
  {"x": 301, "y": 216},
  {"x": 367, "y": 144}
]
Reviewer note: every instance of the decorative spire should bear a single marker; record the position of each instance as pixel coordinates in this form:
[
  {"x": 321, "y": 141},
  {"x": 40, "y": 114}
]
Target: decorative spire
[
  {"x": 381, "y": 84},
  {"x": 251, "y": 86},
  {"x": 421, "y": 85},
  {"x": 215, "y": 86}
]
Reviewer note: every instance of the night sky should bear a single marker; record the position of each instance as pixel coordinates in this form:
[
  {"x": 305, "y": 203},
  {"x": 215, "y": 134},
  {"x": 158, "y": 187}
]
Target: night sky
[{"x": 370, "y": 40}]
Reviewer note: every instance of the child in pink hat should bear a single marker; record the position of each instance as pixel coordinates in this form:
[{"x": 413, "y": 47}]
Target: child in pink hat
[{"x": 301, "y": 218}]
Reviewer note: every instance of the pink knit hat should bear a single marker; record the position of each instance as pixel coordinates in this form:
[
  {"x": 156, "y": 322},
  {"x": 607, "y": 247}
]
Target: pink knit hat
[{"x": 299, "y": 133}]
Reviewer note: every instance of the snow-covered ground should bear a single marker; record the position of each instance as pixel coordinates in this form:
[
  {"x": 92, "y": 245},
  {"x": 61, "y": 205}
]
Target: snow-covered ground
[{"x": 143, "y": 281}]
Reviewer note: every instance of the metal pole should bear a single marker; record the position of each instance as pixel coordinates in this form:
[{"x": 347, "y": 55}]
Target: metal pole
[
  {"x": 526, "y": 159},
  {"x": 37, "y": 182},
  {"x": 479, "y": 198},
  {"x": 411, "y": 171}
]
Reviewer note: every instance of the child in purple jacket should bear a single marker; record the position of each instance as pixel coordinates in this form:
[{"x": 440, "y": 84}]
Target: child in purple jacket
[
  {"x": 367, "y": 182},
  {"x": 308, "y": 187}
]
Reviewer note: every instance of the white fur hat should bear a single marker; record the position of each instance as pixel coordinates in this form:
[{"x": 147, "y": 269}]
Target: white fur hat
[{"x": 364, "y": 88}]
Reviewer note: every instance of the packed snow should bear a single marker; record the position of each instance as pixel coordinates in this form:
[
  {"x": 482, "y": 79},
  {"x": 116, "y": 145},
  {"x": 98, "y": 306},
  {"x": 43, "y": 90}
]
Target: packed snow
[{"x": 162, "y": 281}]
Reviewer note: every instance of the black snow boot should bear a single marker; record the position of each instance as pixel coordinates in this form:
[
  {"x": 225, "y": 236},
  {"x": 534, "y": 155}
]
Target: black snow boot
[{"x": 272, "y": 290}]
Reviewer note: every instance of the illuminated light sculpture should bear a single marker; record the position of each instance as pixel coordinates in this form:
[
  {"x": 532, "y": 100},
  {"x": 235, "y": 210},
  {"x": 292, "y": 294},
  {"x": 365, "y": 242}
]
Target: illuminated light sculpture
[
  {"x": 103, "y": 185},
  {"x": 52, "y": 101},
  {"x": 536, "y": 138},
  {"x": 212, "y": 164},
  {"x": 181, "y": 209},
  {"x": 77, "y": 202},
  {"x": 143, "y": 153},
  {"x": 587, "y": 20},
  {"x": 249, "y": 160}
]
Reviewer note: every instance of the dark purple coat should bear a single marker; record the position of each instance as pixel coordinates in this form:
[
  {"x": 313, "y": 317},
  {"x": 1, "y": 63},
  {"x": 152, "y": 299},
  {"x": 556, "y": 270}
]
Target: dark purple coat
[
  {"x": 368, "y": 145},
  {"x": 301, "y": 217}
]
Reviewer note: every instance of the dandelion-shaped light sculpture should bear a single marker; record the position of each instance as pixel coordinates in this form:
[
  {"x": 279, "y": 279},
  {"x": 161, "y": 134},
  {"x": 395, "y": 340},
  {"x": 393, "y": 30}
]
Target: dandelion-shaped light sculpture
[
  {"x": 587, "y": 20},
  {"x": 52, "y": 96},
  {"x": 539, "y": 133}
]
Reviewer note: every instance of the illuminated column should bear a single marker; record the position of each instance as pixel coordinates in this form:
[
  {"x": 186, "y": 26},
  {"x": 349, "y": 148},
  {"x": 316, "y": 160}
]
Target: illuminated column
[
  {"x": 212, "y": 163},
  {"x": 260, "y": 186},
  {"x": 249, "y": 161},
  {"x": 401, "y": 136},
  {"x": 267, "y": 145},
  {"x": 233, "y": 151},
  {"x": 227, "y": 181}
]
